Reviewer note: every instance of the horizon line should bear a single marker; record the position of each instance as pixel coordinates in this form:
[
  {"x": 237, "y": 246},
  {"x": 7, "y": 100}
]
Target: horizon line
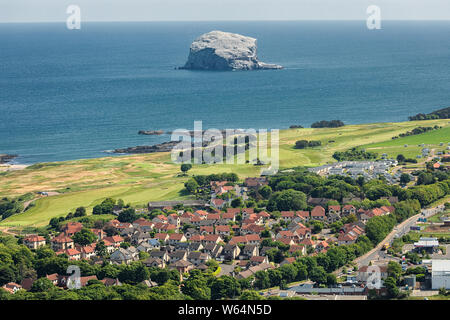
[{"x": 232, "y": 20}]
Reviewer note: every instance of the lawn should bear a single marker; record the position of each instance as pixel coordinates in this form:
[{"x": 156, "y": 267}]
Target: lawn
[{"x": 140, "y": 178}]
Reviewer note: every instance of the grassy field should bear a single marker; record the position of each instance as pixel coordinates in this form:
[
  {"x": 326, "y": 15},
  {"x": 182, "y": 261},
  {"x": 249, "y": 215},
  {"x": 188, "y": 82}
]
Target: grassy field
[
  {"x": 138, "y": 179},
  {"x": 431, "y": 140}
]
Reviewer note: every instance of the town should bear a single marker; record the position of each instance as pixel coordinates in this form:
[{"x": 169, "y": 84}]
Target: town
[{"x": 313, "y": 233}]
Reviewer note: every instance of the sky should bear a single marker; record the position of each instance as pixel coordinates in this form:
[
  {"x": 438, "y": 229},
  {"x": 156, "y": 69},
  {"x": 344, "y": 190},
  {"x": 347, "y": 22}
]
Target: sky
[{"x": 210, "y": 10}]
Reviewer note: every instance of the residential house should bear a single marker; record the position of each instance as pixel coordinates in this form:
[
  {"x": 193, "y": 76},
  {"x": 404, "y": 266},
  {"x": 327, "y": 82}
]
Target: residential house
[
  {"x": 61, "y": 242},
  {"x": 318, "y": 213},
  {"x": 34, "y": 241},
  {"x": 197, "y": 258},
  {"x": 121, "y": 256},
  {"x": 231, "y": 251}
]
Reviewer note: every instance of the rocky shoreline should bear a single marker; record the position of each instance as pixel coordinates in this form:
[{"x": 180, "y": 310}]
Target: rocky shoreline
[{"x": 5, "y": 158}]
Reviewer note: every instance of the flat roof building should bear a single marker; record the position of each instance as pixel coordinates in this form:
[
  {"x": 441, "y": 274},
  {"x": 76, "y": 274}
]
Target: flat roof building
[{"x": 440, "y": 274}]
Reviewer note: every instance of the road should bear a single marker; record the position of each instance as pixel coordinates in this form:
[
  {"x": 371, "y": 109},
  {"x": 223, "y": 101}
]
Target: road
[{"x": 399, "y": 231}]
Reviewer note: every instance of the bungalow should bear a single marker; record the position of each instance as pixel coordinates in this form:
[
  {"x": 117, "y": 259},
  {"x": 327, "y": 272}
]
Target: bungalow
[
  {"x": 318, "y": 213},
  {"x": 34, "y": 241}
]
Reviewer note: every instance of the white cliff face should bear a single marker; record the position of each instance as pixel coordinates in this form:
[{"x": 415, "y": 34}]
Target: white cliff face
[{"x": 217, "y": 50}]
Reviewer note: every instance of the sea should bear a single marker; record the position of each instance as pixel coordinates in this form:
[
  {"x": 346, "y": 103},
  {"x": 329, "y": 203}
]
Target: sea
[{"x": 75, "y": 94}]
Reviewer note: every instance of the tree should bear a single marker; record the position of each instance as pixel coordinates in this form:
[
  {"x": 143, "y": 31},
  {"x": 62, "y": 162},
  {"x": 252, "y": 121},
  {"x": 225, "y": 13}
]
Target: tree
[
  {"x": 84, "y": 237},
  {"x": 127, "y": 215},
  {"x": 265, "y": 192},
  {"x": 185, "y": 167},
  {"x": 405, "y": 178},
  {"x": 225, "y": 287},
  {"x": 134, "y": 273},
  {"x": 287, "y": 200},
  {"x": 191, "y": 185},
  {"x": 42, "y": 285},
  {"x": 80, "y": 212},
  {"x": 100, "y": 249},
  {"x": 196, "y": 286},
  {"x": 262, "y": 280},
  {"x": 250, "y": 295},
  {"x": 391, "y": 287},
  {"x": 401, "y": 158},
  {"x": 236, "y": 203}
]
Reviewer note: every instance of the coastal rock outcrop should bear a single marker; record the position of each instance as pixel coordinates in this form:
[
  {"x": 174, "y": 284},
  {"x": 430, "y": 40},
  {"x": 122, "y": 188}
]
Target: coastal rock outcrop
[{"x": 218, "y": 50}]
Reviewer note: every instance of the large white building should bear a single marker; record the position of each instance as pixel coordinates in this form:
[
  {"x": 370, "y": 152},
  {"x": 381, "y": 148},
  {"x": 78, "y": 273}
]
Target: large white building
[{"x": 440, "y": 272}]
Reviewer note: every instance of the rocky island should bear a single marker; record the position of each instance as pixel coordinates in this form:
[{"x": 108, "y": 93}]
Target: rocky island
[{"x": 224, "y": 51}]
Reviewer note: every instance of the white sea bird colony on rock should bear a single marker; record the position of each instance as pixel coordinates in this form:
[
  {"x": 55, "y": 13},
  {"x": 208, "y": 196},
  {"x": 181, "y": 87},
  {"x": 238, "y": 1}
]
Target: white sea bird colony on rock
[{"x": 218, "y": 50}]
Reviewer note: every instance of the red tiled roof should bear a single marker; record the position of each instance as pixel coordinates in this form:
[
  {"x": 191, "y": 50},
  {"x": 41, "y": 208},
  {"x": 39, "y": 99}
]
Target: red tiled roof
[{"x": 318, "y": 211}]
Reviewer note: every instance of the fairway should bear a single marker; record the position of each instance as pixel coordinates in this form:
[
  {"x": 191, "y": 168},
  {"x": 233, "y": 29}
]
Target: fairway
[
  {"x": 140, "y": 178},
  {"x": 410, "y": 146}
]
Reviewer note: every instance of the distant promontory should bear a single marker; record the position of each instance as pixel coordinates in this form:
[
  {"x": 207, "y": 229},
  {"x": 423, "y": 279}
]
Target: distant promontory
[{"x": 224, "y": 51}]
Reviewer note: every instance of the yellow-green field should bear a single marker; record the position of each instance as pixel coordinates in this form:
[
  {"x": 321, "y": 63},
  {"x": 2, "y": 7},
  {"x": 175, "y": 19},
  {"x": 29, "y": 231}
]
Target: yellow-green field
[{"x": 138, "y": 179}]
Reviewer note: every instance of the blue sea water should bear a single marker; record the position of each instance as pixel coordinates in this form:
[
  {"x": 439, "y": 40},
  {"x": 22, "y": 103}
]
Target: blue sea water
[{"x": 71, "y": 94}]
